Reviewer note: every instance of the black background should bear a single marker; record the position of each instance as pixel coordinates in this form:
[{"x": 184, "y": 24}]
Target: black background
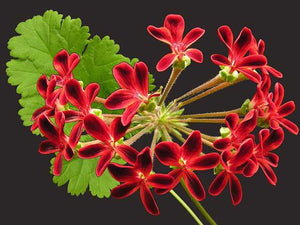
[{"x": 27, "y": 192}]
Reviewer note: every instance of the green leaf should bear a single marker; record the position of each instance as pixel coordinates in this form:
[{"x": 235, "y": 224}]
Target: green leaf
[{"x": 80, "y": 174}]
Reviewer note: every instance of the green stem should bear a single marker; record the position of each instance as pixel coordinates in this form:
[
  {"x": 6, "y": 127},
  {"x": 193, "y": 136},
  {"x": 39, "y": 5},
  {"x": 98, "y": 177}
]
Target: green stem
[
  {"x": 134, "y": 138},
  {"x": 190, "y": 120},
  {"x": 154, "y": 141},
  {"x": 173, "y": 77},
  {"x": 166, "y": 133},
  {"x": 199, "y": 206},
  {"x": 187, "y": 208},
  {"x": 212, "y": 114},
  {"x": 99, "y": 100}
]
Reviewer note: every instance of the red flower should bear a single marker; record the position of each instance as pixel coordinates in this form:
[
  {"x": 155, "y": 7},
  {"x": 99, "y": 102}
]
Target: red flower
[
  {"x": 239, "y": 131},
  {"x": 233, "y": 163},
  {"x": 64, "y": 64},
  {"x": 108, "y": 135},
  {"x": 133, "y": 92},
  {"x": 81, "y": 100},
  {"x": 236, "y": 59},
  {"x": 57, "y": 141},
  {"x": 263, "y": 156},
  {"x": 186, "y": 159},
  {"x": 139, "y": 177},
  {"x": 171, "y": 33},
  {"x": 259, "y": 49}
]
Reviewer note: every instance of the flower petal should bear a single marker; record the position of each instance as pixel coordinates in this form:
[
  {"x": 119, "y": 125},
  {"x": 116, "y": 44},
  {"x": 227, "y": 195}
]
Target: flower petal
[
  {"x": 123, "y": 173},
  {"x": 47, "y": 128},
  {"x": 269, "y": 173},
  {"x": 168, "y": 153},
  {"x": 192, "y": 147},
  {"x": 76, "y": 134},
  {"x": 124, "y": 75},
  {"x": 175, "y": 24},
  {"x": 65, "y": 63},
  {"x": 75, "y": 94},
  {"x": 57, "y": 165},
  {"x": 278, "y": 94},
  {"x": 250, "y": 168},
  {"x": 141, "y": 78},
  {"x": 274, "y": 72},
  {"x": 124, "y": 190},
  {"x": 73, "y": 116},
  {"x": 144, "y": 161},
  {"x": 48, "y": 147},
  {"x": 220, "y": 60},
  {"x": 121, "y": 99},
  {"x": 232, "y": 121},
  {"x": 222, "y": 144},
  {"x": 68, "y": 152},
  {"x": 243, "y": 153},
  {"x": 247, "y": 125},
  {"x": 289, "y": 125},
  {"x": 192, "y": 36},
  {"x": 252, "y": 61},
  {"x": 148, "y": 200},
  {"x": 205, "y": 162},
  {"x": 97, "y": 128},
  {"x": 272, "y": 159},
  {"x": 177, "y": 175},
  {"x": 38, "y": 112},
  {"x": 160, "y": 33},
  {"x": 274, "y": 139},
  {"x": 91, "y": 92},
  {"x": 286, "y": 109},
  {"x": 127, "y": 153},
  {"x": 250, "y": 74},
  {"x": 219, "y": 183},
  {"x": 226, "y": 36},
  {"x": 103, "y": 162},
  {"x": 42, "y": 85},
  {"x": 194, "y": 185},
  {"x": 117, "y": 129},
  {"x": 129, "y": 112},
  {"x": 195, "y": 55},
  {"x": 165, "y": 62},
  {"x": 91, "y": 151},
  {"x": 235, "y": 189},
  {"x": 160, "y": 180},
  {"x": 242, "y": 43}
]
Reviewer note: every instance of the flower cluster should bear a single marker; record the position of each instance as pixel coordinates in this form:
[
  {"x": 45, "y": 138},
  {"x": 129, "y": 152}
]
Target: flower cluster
[{"x": 237, "y": 152}]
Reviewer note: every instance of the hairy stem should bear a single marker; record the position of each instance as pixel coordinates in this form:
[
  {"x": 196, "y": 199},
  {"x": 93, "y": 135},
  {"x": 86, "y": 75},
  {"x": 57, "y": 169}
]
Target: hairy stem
[
  {"x": 154, "y": 141},
  {"x": 83, "y": 144},
  {"x": 133, "y": 139},
  {"x": 166, "y": 133},
  {"x": 212, "y": 114},
  {"x": 139, "y": 126},
  {"x": 199, "y": 206},
  {"x": 187, "y": 208},
  {"x": 191, "y": 120},
  {"x": 173, "y": 77},
  {"x": 213, "y": 82},
  {"x": 99, "y": 100}
]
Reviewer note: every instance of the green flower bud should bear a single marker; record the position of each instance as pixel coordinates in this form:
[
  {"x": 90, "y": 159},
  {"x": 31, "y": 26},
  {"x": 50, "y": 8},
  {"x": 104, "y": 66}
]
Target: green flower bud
[{"x": 224, "y": 131}]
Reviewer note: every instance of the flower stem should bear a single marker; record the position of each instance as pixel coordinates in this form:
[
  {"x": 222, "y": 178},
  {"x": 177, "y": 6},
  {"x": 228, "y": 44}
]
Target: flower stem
[
  {"x": 213, "y": 82},
  {"x": 212, "y": 114},
  {"x": 173, "y": 77},
  {"x": 154, "y": 141},
  {"x": 99, "y": 100},
  {"x": 133, "y": 139},
  {"x": 165, "y": 133},
  {"x": 139, "y": 126},
  {"x": 191, "y": 120},
  {"x": 199, "y": 206},
  {"x": 187, "y": 208},
  {"x": 210, "y": 91}
]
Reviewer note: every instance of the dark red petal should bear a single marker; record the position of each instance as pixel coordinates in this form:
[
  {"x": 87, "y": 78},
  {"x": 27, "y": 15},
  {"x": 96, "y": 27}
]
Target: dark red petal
[
  {"x": 48, "y": 147},
  {"x": 269, "y": 173},
  {"x": 121, "y": 99},
  {"x": 219, "y": 183},
  {"x": 97, "y": 128},
  {"x": 205, "y": 162},
  {"x": 243, "y": 153},
  {"x": 289, "y": 125},
  {"x": 53, "y": 97},
  {"x": 177, "y": 175},
  {"x": 42, "y": 86},
  {"x": 47, "y": 128},
  {"x": 220, "y": 60},
  {"x": 124, "y": 75},
  {"x": 195, "y": 54},
  {"x": 73, "y": 61},
  {"x": 123, "y": 173},
  {"x": 127, "y": 153},
  {"x": 274, "y": 72},
  {"x": 91, "y": 92},
  {"x": 278, "y": 94},
  {"x": 161, "y": 33},
  {"x": 272, "y": 159},
  {"x": 117, "y": 129},
  {"x": 129, "y": 112},
  {"x": 160, "y": 180},
  {"x": 168, "y": 153},
  {"x": 91, "y": 151},
  {"x": 60, "y": 62},
  {"x": 57, "y": 165},
  {"x": 192, "y": 36},
  {"x": 165, "y": 62},
  {"x": 194, "y": 185},
  {"x": 144, "y": 161},
  {"x": 286, "y": 109},
  {"x": 235, "y": 189},
  {"x": 148, "y": 200},
  {"x": 72, "y": 115},
  {"x": 124, "y": 190},
  {"x": 68, "y": 152},
  {"x": 60, "y": 122},
  {"x": 222, "y": 144},
  {"x": 103, "y": 162},
  {"x": 232, "y": 121},
  {"x": 75, "y": 134},
  {"x": 247, "y": 125},
  {"x": 242, "y": 43},
  {"x": 192, "y": 146},
  {"x": 250, "y": 168},
  {"x": 250, "y": 74},
  {"x": 38, "y": 112},
  {"x": 175, "y": 24},
  {"x": 274, "y": 139},
  {"x": 75, "y": 94},
  {"x": 261, "y": 47},
  {"x": 226, "y": 35},
  {"x": 141, "y": 78},
  {"x": 253, "y": 61}
]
